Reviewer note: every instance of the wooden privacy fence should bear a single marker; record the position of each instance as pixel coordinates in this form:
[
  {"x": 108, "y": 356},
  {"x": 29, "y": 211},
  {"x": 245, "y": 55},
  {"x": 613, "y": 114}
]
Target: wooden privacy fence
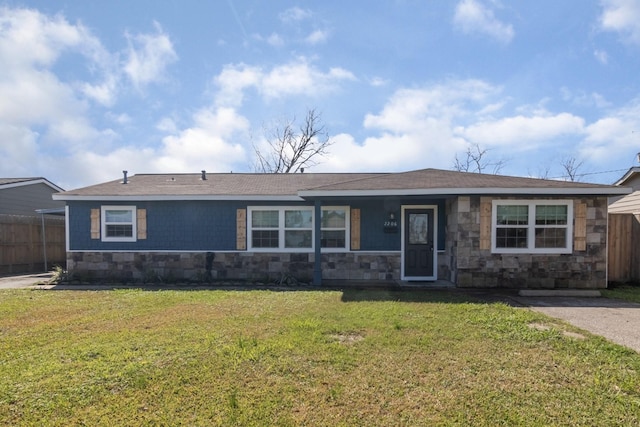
[
  {"x": 21, "y": 243},
  {"x": 624, "y": 248}
]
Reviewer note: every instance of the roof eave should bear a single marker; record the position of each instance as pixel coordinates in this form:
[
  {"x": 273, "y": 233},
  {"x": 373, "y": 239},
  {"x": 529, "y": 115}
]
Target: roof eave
[
  {"x": 32, "y": 182},
  {"x": 608, "y": 191},
  {"x": 632, "y": 171},
  {"x": 176, "y": 197}
]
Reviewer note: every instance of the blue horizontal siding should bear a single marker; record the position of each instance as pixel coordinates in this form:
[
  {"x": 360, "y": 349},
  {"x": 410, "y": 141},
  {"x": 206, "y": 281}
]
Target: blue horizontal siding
[
  {"x": 211, "y": 225},
  {"x": 171, "y": 225},
  {"x": 374, "y": 213}
]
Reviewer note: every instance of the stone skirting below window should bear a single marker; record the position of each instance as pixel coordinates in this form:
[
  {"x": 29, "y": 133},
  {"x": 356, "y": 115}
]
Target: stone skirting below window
[
  {"x": 472, "y": 266},
  {"x": 255, "y": 266}
]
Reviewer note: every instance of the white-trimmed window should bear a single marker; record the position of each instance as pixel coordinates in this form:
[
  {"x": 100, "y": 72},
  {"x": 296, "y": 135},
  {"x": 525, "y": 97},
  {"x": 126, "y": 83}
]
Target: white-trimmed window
[
  {"x": 118, "y": 223},
  {"x": 334, "y": 228},
  {"x": 292, "y": 229},
  {"x": 532, "y": 226}
]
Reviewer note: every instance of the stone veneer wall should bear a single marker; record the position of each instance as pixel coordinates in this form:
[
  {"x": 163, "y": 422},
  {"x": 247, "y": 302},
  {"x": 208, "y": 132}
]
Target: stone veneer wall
[
  {"x": 472, "y": 267},
  {"x": 258, "y": 266}
]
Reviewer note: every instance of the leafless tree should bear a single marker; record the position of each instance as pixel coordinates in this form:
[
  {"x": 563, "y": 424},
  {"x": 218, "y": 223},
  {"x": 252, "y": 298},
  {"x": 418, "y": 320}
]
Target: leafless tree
[
  {"x": 475, "y": 161},
  {"x": 570, "y": 166},
  {"x": 290, "y": 150},
  {"x": 543, "y": 172}
]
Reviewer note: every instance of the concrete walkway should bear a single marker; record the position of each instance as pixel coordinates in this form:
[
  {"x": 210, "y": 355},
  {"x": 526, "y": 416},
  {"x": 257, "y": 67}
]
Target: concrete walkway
[{"x": 23, "y": 281}]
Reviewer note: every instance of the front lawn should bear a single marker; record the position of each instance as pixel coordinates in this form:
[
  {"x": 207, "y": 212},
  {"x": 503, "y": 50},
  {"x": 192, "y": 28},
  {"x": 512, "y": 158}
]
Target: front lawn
[{"x": 314, "y": 358}]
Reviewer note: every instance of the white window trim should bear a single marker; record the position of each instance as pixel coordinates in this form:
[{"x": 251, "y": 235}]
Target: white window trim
[
  {"x": 103, "y": 224},
  {"x": 531, "y": 226},
  {"x": 347, "y": 228},
  {"x": 281, "y": 229}
]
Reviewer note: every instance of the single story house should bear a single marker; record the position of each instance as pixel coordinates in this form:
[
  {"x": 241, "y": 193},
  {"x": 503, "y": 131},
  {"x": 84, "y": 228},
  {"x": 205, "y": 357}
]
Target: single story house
[{"x": 473, "y": 230}]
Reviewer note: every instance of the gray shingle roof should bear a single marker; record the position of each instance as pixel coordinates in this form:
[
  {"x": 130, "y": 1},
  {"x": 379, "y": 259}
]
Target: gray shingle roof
[
  {"x": 4, "y": 181},
  {"x": 292, "y": 186},
  {"x": 15, "y": 182}
]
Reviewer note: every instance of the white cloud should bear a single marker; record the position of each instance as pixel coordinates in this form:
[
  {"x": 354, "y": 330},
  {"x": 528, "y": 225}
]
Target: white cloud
[
  {"x": 613, "y": 137},
  {"x": 522, "y": 133},
  {"x": 317, "y": 37},
  {"x": 206, "y": 145},
  {"x": 623, "y": 17},
  {"x": 378, "y": 81},
  {"x": 429, "y": 126},
  {"x": 232, "y": 82},
  {"x": 46, "y": 123},
  {"x": 148, "y": 57},
  {"x": 409, "y": 108},
  {"x": 295, "y": 78},
  {"x": 601, "y": 56},
  {"x": 168, "y": 125},
  {"x": 212, "y": 143},
  {"x": 121, "y": 119},
  {"x": 33, "y": 97},
  {"x": 471, "y": 16},
  {"x": 29, "y": 38},
  {"x": 583, "y": 99},
  {"x": 104, "y": 93},
  {"x": 294, "y": 15},
  {"x": 415, "y": 129},
  {"x": 18, "y": 150},
  {"x": 275, "y": 40}
]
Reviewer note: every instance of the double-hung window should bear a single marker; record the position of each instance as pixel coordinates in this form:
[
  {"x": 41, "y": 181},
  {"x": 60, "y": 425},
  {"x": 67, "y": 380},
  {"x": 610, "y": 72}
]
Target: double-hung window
[
  {"x": 281, "y": 228},
  {"x": 292, "y": 228},
  {"x": 298, "y": 228},
  {"x": 532, "y": 226},
  {"x": 334, "y": 228},
  {"x": 118, "y": 223}
]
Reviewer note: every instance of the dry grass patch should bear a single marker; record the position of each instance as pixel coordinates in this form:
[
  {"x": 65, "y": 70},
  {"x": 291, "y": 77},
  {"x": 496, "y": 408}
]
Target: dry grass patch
[
  {"x": 300, "y": 358},
  {"x": 547, "y": 327}
]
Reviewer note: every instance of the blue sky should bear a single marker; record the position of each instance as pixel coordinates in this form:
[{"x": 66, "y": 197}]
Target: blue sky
[{"x": 88, "y": 89}]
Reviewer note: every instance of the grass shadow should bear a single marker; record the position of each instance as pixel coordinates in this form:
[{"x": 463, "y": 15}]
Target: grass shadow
[{"x": 422, "y": 296}]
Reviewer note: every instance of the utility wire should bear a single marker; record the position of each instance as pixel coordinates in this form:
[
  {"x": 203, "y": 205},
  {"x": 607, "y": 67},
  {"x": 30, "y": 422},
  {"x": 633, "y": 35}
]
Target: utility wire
[{"x": 589, "y": 173}]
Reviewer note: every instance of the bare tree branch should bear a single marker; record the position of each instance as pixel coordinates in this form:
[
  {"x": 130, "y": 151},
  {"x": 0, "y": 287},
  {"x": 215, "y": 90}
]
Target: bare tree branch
[
  {"x": 570, "y": 165},
  {"x": 543, "y": 172},
  {"x": 291, "y": 151},
  {"x": 475, "y": 161}
]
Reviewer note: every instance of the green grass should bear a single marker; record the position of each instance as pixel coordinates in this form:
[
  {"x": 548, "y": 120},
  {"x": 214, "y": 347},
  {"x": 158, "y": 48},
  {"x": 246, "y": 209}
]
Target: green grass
[
  {"x": 301, "y": 358},
  {"x": 625, "y": 292}
]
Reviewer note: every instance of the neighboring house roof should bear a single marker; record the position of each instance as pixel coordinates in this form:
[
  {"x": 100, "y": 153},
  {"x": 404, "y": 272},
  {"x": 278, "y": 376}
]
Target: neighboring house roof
[
  {"x": 296, "y": 187},
  {"x": 631, "y": 202},
  {"x": 19, "y": 182},
  {"x": 630, "y": 174}
]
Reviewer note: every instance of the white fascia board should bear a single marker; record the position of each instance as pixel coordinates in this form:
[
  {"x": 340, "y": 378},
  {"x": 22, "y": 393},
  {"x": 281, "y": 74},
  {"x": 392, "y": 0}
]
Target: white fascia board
[
  {"x": 632, "y": 171},
  {"x": 610, "y": 191},
  {"x": 71, "y": 197},
  {"x": 302, "y": 195},
  {"x": 32, "y": 182}
]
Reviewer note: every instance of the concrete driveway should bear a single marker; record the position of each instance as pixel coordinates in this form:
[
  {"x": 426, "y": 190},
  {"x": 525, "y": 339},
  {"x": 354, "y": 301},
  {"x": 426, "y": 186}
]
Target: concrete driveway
[
  {"x": 23, "y": 281},
  {"x": 616, "y": 320}
]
